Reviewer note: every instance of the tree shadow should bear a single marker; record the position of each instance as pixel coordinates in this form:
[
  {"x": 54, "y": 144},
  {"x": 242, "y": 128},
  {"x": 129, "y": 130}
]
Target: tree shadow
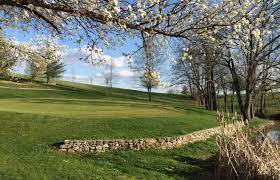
[{"x": 201, "y": 168}]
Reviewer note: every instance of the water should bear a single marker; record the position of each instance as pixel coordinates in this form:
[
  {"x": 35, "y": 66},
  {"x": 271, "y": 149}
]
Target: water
[{"x": 273, "y": 134}]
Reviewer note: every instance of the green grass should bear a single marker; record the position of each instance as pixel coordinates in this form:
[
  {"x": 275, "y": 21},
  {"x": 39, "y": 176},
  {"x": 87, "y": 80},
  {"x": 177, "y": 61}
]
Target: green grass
[{"x": 33, "y": 120}]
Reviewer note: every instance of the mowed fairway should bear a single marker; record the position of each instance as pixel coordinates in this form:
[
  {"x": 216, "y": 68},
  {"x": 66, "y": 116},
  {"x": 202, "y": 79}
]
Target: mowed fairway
[{"x": 33, "y": 120}]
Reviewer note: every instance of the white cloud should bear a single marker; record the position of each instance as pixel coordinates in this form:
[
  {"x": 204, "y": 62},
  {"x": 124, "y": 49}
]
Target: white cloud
[
  {"x": 125, "y": 73},
  {"x": 119, "y": 61},
  {"x": 73, "y": 56},
  {"x": 75, "y": 76},
  {"x": 98, "y": 74}
]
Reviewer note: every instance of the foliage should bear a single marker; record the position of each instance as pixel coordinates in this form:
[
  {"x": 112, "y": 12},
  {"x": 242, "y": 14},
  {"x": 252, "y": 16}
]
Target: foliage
[
  {"x": 241, "y": 56},
  {"x": 54, "y": 70},
  {"x": 7, "y": 57},
  {"x": 93, "y": 18},
  {"x": 40, "y": 53},
  {"x": 150, "y": 80}
]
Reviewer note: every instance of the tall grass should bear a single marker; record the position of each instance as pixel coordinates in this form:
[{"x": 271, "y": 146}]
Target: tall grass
[{"x": 242, "y": 158}]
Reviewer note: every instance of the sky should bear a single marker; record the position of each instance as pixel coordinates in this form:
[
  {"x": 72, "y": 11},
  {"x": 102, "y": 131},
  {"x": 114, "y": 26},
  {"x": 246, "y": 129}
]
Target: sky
[{"x": 79, "y": 71}]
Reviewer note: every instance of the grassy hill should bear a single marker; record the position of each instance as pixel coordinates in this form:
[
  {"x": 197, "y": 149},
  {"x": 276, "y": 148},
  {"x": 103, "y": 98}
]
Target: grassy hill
[{"x": 32, "y": 120}]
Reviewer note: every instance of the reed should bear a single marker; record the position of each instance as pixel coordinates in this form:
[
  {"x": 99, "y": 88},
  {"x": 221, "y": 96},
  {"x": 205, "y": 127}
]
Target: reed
[{"x": 242, "y": 158}]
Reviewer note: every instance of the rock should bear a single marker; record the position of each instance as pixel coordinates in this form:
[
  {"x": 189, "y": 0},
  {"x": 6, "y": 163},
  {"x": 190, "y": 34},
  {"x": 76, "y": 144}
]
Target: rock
[
  {"x": 80, "y": 150},
  {"x": 63, "y": 150},
  {"x": 99, "y": 143},
  {"x": 105, "y": 147},
  {"x": 65, "y": 146},
  {"x": 150, "y": 141},
  {"x": 92, "y": 148},
  {"x": 71, "y": 151},
  {"x": 75, "y": 148},
  {"x": 111, "y": 143},
  {"x": 86, "y": 149},
  {"x": 120, "y": 142},
  {"x": 98, "y": 148},
  {"x": 91, "y": 143}
]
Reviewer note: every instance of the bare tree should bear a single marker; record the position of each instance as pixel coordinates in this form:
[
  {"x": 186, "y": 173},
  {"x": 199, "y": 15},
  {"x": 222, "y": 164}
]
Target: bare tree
[
  {"x": 224, "y": 81},
  {"x": 196, "y": 68},
  {"x": 109, "y": 76}
]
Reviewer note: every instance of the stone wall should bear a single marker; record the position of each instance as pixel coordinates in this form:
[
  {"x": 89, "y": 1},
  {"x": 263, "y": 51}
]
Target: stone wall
[{"x": 95, "y": 146}]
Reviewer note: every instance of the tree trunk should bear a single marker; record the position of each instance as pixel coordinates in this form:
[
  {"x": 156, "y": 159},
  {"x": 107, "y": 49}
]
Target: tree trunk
[
  {"x": 48, "y": 79},
  {"x": 262, "y": 108},
  {"x": 237, "y": 88},
  {"x": 247, "y": 105},
  {"x": 150, "y": 94},
  {"x": 232, "y": 102},
  {"x": 252, "y": 108},
  {"x": 263, "y": 91},
  {"x": 225, "y": 101},
  {"x": 213, "y": 91},
  {"x": 217, "y": 99},
  {"x": 206, "y": 100}
]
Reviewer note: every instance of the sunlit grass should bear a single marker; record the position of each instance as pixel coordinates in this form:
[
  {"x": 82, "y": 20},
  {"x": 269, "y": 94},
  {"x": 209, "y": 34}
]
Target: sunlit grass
[{"x": 33, "y": 120}]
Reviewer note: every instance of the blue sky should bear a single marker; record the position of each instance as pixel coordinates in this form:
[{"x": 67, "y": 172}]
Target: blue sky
[{"x": 80, "y": 71}]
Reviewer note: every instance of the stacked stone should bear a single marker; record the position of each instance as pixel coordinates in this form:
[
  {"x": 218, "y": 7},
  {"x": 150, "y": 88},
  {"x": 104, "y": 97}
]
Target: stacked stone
[{"x": 96, "y": 146}]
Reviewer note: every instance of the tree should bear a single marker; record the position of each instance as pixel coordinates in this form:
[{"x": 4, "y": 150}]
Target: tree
[
  {"x": 224, "y": 81},
  {"x": 243, "y": 48},
  {"x": 54, "y": 70},
  {"x": 39, "y": 53},
  {"x": 8, "y": 59},
  {"x": 93, "y": 18},
  {"x": 247, "y": 46},
  {"x": 149, "y": 80},
  {"x": 196, "y": 68},
  {"x": 35, "y": 66},
  {"x": 93, "y": 22},
  {"x": 109, "y": 76},
  {"x": 148, "y": 63}
]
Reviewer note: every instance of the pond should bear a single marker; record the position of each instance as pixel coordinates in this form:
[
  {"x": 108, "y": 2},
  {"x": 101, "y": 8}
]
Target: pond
[{"x": 272, "y": 133}]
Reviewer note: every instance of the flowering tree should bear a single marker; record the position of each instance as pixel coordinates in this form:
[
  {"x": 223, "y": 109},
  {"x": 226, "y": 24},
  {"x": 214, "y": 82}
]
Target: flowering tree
[
  {"x": 249, "y": 44},
  {"x": 249, "y": 48},
  {"x": 40, "y": 54},
  {"x": 7, "y": 56},
  {"x": 148, "y": 63},
  {"x": 99, "y": 20},
  {"x": 35, "y": 66},
  {"x": 149, "y": 80}
]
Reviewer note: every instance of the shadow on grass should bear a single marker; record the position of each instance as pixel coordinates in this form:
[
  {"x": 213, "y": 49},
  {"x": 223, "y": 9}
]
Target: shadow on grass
[
  {"x": 172, "y": 163},
  {"x": 201, "y": 168}
]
